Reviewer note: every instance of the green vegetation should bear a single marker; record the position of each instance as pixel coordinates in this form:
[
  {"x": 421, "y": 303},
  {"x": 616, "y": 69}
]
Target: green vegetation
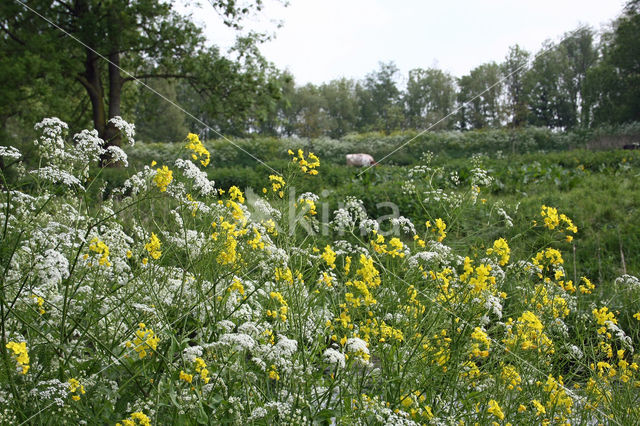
[
  {"x": 483, "y": 273},
  {"x": 157, "y": 296}
]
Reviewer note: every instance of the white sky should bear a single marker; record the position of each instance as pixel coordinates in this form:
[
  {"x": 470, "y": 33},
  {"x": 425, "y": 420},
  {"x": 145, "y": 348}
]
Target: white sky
[{"x": 321, "y": 40}]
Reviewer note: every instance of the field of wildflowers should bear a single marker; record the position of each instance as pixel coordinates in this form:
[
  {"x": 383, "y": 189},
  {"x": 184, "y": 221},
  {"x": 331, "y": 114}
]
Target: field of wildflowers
[{"x": 170, "y": 300}]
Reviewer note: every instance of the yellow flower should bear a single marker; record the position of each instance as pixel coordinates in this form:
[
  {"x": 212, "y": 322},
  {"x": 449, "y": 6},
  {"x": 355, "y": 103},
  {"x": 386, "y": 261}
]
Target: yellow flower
[
  {"x": 20, "y": 354},
  {"x": 501, "y": 249},
  {"x": 201, "y": 368},
  {"x": 186, "y": 377},
  {"x": 153, "y": 246},
  {"x": 273, "y": 373},
  {"x": 480, "y": 337},
  {"x": 277, "y": 183},
  {"x": 440, "y": 228},
  {"x": 603, "y": 316},
  {"x": 539, "y": 407},
  {"x": 40, "y": 302},
  {"x": 77, "y": 388},
  {"x": 137, "y": 418},
  {"x": 329, "y": 256},
  {"x": 145, "y": 340},
  {"x": 236, "y": 285},
  {"x": 494, "y": 409},
  {"x": 199, "y": 151},
  {"x": 306, "y": 166},
  {"x": 284, "y": 308},
  {"x": 102, "y": 249},
  {"x": 163, "y": 178},
  {"x": 510, "y": 376},
  {"x": 236, "y": 194}
]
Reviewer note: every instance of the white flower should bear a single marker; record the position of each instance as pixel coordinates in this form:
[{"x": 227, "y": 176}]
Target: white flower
[
  {"x": 10, "y": 152},
  {"x": 507, "y": 219},
  {"x": 405, "y": 225},
  {"x": 200, "y": 180},
  {"x": 629, "y": 281},
  {"x": 286, "y": 347},
  {"x": 51, "y": 268},
  {"x": 367, "y": 226},
  {"x": 238, "y": 341},
  {"x": 128, "y": 130},
  {"x": 117, "y": 155},
  {"x": 257, "y": 414},
  {"x": 334, "y": 357},
  {"x": 480, "y": 177},
  {"x": 356, "y": 345},
  {"x": 88, "y": 146},
  {"x": 576, "y": 352},
  {"x": 55, "y": 175},
  {"x": 192, "y": 352}
]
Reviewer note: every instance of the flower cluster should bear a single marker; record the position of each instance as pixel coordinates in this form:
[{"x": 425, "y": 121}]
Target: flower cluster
[
  {"x": 553, "y": 220},
  {"x": 277, "y": 184},
  {"x": 102, "y": 249},
  {"x": 153, "y": 246},
  {"x": 145, "y": 341},
  {"x": 199, "y": 151},
  {"x": 20, "y": 354},
  {"x": 163, "y": 178},
  {"x": 309, "y": 165},
  {"x": 76, "y": 388},
  {"x": 137, "y": 418},
  {"x": 501, "y": 249},
  {"x": 268, "y": 326}
]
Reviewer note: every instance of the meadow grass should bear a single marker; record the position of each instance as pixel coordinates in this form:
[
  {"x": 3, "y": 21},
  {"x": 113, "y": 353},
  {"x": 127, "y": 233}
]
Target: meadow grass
[{"x": 161, "y": 297}]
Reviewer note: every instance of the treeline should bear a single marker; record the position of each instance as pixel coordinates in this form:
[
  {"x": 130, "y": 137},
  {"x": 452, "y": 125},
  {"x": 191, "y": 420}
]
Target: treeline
[{"x": 585, "y": 80}]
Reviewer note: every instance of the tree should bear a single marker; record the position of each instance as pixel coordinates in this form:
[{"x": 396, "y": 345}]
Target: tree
[
  {"x": 479, "y": 98},
  {"x": 430, "y": 96},
  {"x": 310, "y": 112},
  {"x": 556, "y": 81},
  {"x": 341, "y": 106},
  {"x": 146, "y": 37},
  {"x": 514, "y": 70},
  {"x": 379, "y": 100},
  {"x": 156, "y": 119},
  {"x": 549, "y": 103},
  {"x": 613, "y": 85},
  {"x": 580, "y": 55}
]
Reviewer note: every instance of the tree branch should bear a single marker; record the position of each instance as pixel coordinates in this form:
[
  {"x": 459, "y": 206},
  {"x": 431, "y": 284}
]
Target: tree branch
[
  {"x": 13, "y": 36},
  {"x": 145, "y": 76}
]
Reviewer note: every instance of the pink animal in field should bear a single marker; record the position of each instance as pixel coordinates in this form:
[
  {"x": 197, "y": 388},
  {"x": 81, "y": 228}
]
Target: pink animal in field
[{"x": 360, "y": 160}]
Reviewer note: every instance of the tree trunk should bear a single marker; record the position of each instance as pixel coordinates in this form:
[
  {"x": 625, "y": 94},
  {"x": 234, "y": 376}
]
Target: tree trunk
[
  {"x": 90, "y": 79},
  {"x": 112, "y": 135}
]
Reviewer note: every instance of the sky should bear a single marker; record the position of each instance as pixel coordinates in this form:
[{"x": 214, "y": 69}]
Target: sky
[{"x": 321, "y": 40}]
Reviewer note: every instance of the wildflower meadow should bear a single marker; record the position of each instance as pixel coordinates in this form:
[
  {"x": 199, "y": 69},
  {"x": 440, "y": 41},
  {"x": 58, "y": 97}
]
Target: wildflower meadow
[{"x": 169, "y": 299}]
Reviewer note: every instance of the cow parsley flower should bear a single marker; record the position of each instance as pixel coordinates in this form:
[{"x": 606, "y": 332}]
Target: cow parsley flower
[
  {"x": 117, "y": 155},
  {"x": 55, "y": 175},
  {"x": 334, "y": 357},
  {"x": 10, "y": 152},
  {"x": 128, "y": 130}
]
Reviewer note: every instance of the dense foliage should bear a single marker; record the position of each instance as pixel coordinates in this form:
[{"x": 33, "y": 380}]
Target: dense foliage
[{"x": 171, "y": 299}]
